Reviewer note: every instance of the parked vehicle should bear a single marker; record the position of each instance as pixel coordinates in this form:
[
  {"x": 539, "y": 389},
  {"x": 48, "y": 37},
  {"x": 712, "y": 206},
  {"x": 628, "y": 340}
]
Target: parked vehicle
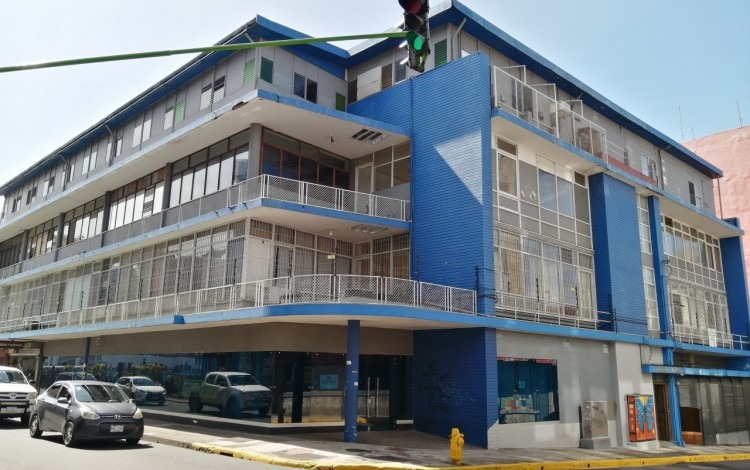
[
  {"x": 74, "y": 375},
  {"x": 142, "y": 389},
  {"x": 17, "y": 395},
  {"x": 232, "y": 393},
  {"x": 86, "y": 410}
]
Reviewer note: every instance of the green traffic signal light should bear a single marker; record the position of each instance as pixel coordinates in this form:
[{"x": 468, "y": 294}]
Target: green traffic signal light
[{"x": 415, "y": 41}]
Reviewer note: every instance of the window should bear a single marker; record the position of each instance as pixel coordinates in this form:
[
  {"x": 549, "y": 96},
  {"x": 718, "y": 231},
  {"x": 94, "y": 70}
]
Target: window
[
  {"x": 547, "y": 191},
  {"x": 340, "y": 102},
  {"x": 249, "y": 78},
  {"x": 645, "y": 226},
  {"x": 137, "y": 200},
  {"x": 17, "y": 203},
  {"x": 266, "y": 70},
  {"x": 219, "y": 89},
  {"x": 696, "y": 194},
  {"x": 527, "y": 390},
  {"x": 49, "y": 185},
  {"x": 305, "y": 88},
  {"x": 386, "y": 76},
  {"x": 69, "y": 172},
  {"x": 648, "y": 166},
  {"x": 652, "y": 314},
  {"x": 179, "y": 111},
  {"x": 206, "y": 96},
  {"x": 168, "y": 117},
  {"x": 31, "y": 195},
  {"x": 441, "y": 53},
  {"x": 84, "y": 221},
  {"x": 89, "y": 160},
  {"x": 118, "y": 147}
]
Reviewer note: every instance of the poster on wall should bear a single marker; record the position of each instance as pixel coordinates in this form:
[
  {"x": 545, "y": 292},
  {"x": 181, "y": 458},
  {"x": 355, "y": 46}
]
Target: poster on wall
[{"x": 641, "y": 418}]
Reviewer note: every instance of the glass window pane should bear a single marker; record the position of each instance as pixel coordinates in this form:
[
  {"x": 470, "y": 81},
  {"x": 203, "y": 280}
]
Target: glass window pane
[
  {"x": 129, "y": 206},
  {"x": 382, "y": 177},
  {"x": 299, "y": 85},
  {"x": 565, "y": 196},
  {"x": 271, "y": 161},
  {"x": 507, "y": 175},
  {"x": 325, "y": 175},
  {"x": 212, "y": 176},
  {"x": 225, "y": 175},
  {"x": 547, "y": 192},
  {"x": 187, "y": 187},
  {"x": 199, "y": 181},
  {"x": 308, "y": 170},
  {"x": 342, "y": 179},
  {"x": 312, "y": 91},
  {"x": 138, "y": 211},
  {"x": 581, "y": 203},
  {"x": 240, "y": 165},
  {"x": 401, "y": 171},
  {"x": 290, "y": 166},
  {"x": 266, "y": 70}
]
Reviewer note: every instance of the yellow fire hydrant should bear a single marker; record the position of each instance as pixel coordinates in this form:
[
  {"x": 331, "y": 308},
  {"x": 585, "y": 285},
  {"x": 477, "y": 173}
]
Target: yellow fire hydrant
[{"x": 457, "y": 444}]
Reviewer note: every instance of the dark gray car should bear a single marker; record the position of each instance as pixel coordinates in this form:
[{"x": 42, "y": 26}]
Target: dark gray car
[{"x": 86, "y": 410}]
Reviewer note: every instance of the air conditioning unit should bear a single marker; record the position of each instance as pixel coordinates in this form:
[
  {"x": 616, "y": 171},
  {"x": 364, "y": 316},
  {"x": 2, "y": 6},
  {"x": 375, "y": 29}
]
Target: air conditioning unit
[{"x": 561, "y": 107}]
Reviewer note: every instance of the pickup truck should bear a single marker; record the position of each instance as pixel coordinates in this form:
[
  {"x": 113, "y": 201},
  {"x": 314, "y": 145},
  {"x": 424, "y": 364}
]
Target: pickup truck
[
  {"x": 17, "y": 395},
  {"x": 232, "y": 393}
]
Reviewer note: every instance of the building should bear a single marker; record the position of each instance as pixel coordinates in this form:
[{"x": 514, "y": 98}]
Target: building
[
  {"x": 489, "y": 245},
  {"x": 729, "y": 150}
]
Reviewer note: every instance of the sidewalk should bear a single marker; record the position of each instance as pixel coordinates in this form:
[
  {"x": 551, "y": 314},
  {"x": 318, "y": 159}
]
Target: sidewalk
[{"x": 413, "y": 450}]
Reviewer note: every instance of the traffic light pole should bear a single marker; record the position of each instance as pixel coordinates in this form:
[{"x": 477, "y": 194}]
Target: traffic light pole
[{"x": 221, "y": 48}]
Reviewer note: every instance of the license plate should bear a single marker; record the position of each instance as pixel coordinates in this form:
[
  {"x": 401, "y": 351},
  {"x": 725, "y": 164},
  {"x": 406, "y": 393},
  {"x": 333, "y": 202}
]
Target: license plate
[
  {"x": 12, "y": 410},
  {"x": 117, "y": 428}
]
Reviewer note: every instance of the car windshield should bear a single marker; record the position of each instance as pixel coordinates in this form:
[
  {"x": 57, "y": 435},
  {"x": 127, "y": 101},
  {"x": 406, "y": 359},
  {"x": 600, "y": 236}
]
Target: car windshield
[
  {"x": 12, "y": 377},
  {"x": 143, "y": 381},
  {"x": 99, "y": 393},
  {"x": 244, "y": 379}
]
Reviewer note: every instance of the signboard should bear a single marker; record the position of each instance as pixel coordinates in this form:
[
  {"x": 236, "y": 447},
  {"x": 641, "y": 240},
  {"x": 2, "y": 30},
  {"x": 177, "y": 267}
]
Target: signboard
[
  {"x": 329, "y": 381},
  {"x": 10, "y": 344}
]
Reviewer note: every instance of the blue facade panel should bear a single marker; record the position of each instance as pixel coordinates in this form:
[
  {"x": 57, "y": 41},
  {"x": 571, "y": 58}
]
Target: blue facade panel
[
  {"x": 617, "y": 246},
  {"x": 455, "y": 376},
  {"x": 735, "y": 280},
  {"x": 448, "y": 110}
]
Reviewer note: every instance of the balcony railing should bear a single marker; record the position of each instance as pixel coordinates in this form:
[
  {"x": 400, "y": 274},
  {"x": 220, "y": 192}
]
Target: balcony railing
[
  {"x": 709, "y": 337},
  {"x": 316, "y": 288},
  {"x": 263, "y": 186},
  {"x": 561, "y": 120},
  {"x": 529, "y": 309}
]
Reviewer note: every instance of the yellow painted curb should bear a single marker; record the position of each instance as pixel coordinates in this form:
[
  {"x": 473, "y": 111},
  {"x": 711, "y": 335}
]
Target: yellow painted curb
[{"x": 559, "y": 465}]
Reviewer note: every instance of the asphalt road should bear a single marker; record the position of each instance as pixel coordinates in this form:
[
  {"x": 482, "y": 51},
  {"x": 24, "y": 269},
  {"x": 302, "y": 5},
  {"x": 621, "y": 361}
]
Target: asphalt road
[
  {"x": 702, "y": 466},
  {"x": 19, "y": 451}
]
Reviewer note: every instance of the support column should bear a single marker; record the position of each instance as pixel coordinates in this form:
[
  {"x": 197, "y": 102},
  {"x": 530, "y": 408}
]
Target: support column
[
  {"x": 352, "y": 382},
  {"x": 665, "y": 320},
  {"x": 24, "y": 246},
  {"x": 106, "y": 209},
  {"x": 86, "y": 357}
]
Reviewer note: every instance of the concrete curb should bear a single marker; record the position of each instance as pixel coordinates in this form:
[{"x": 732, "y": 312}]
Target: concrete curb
[{"x": 544, "y": 465}]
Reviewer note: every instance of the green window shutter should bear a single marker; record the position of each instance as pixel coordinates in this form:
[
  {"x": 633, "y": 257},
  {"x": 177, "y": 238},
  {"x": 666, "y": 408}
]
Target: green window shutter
[
  {"x": 340, "y": 102},
  {"x": 266, "y": 70},
  {"x": 249, "y": 72},
  {"x": 441, "y": 53},
  {"x": 179, "y": 111}
]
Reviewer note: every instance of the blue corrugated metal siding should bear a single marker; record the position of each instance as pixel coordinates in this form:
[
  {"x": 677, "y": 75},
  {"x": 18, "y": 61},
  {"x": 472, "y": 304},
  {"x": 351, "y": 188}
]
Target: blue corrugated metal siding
[
  {"x": 619, "y": 270},
  {"x": 451, "y": 171},
  {"x": 735, "y": 280},
  {"x": 455, "y": 376}
]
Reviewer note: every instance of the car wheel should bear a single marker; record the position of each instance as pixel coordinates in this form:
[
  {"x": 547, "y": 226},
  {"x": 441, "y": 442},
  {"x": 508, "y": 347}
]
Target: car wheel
[
  {"x": 69, "y": 434},
  {"x": 34, "y": 428},
  {"x": 194, "y": 403},
  {"x": 263, "y": 411},
  {"x": 25, "y": 419},
  {"x": 132, "y": 441}
]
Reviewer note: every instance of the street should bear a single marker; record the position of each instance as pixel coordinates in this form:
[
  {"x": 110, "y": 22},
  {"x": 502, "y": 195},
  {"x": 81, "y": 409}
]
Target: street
[
  {"x": 739, "y": 465},
  {"x": 21, "y": 452}
]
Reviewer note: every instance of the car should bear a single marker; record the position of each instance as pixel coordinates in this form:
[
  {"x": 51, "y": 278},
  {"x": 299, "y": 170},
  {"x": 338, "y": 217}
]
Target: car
[
  {"x": 74, "y": 375},
  {"x": 17, "y": 395},
  {"x": 86, "y": 410},
  {"x": 142, "y": 389},
  {"x": 232, "y": 393}
]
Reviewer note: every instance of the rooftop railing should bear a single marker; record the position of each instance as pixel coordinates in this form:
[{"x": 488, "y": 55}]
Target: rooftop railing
[
  {"x": 315, "y": 288},
  {"x": 263, "y": 186},
  {"x": 559, "y": 118}
]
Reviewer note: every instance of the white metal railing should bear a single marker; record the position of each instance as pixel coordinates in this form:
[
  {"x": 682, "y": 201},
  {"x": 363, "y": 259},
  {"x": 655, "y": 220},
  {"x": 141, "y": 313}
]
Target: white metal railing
[
  {"x": 523, "y": 308},
  {"x": 709, "y": 337},
  {"x": 263, "y": 186},
  {"x": 314, "y": 288},
  {"x": 561, "y": 119}
]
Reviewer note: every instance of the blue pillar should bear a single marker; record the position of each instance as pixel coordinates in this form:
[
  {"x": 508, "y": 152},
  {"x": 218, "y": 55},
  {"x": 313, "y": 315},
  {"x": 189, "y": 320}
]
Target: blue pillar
[
  {"x": 665, "y": 320},
  {"x": 352, "y": 382},
  {"x": 735, "y": 281}
]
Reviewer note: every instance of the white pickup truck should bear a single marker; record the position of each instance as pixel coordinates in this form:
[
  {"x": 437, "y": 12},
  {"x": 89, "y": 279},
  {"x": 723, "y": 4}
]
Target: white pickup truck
[
  {"x": 232, "y": 393},
  {"x": 17, "y": 395}
]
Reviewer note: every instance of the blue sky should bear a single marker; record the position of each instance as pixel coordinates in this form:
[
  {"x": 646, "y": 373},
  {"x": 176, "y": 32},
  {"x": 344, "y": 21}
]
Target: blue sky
[{"x": 682, "y": 66}]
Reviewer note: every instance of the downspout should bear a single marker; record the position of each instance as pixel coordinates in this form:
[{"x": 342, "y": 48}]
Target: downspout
[
  {"x": 65, "y": 171},
  {"x": 721, "y": 206}
]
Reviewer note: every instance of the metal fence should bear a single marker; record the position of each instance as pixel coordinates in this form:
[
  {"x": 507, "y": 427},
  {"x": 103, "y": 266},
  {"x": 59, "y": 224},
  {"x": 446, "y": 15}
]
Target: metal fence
[
  {"x": 263, "y": 186},
  {"x": 524, "y": 101},
  {"x": 314, "y": 288},
  {"x": 529, "y": 309}
]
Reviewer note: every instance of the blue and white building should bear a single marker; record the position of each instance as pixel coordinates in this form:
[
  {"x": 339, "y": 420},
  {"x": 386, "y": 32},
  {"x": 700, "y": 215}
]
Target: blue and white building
[{"x": 490, "y": 245}]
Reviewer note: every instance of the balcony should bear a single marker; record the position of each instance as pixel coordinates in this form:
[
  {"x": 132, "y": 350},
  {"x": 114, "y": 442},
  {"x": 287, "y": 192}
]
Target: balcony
[
  {"x": 316, "y": 288},
  {"x": 528, "y": 309},
  {"x": 560, "y": 119},
  {"x": 260, "y": 187}
]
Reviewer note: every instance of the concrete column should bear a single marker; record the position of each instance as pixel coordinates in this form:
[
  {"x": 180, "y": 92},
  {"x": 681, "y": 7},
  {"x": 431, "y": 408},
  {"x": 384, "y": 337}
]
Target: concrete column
[
  {"x": 24, "y": 246},
  {"x": 352, "y": 382},
  {"x": 107, "y": 207}
]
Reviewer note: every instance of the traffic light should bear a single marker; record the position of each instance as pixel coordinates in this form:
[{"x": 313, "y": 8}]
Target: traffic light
[{"x": 416, "y": 13}]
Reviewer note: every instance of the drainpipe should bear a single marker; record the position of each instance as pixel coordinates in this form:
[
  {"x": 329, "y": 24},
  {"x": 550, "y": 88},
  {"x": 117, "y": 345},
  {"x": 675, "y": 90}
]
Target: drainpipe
[{"x": 721, "y": 206}]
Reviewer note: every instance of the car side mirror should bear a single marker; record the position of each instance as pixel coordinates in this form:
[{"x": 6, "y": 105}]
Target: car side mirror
[
  {"x": 131, "y": 400},
  {"x": 32, "y": 382},
  {"x": 63, "y": 401}
]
